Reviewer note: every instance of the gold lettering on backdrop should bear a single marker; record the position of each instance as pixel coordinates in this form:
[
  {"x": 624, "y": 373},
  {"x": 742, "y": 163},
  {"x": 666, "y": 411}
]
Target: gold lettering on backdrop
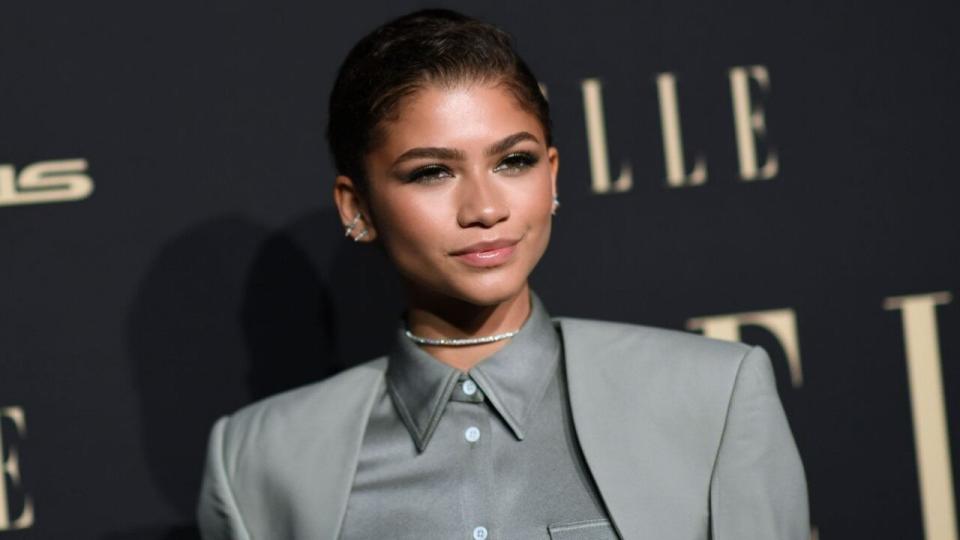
[
  {"x": 931, "y": 438},
  {"x": 673, "y": 138},
  {"x": 10, "y": 469},
  {"x": 597, "y": 142},
  {"x": 45, "y": 182},
  {"x": 782, "y": 323},
  {"x": 749, "y": 123}
]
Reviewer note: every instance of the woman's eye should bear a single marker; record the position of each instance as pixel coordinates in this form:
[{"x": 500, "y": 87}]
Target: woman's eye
[
  {"x": 516, "y": 163},
  {"x": 429, "y": 174}
]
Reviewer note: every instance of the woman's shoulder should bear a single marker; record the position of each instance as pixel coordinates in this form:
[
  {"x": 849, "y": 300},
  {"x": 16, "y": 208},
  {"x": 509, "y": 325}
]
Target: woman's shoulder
[
  {"x": 648, "y": 343},
  {"x": 656, "y": 360},
  {"x": 312, "y": 406},
  {"x": 679, "y": 379},
  {"x": 269, "y": 457}
]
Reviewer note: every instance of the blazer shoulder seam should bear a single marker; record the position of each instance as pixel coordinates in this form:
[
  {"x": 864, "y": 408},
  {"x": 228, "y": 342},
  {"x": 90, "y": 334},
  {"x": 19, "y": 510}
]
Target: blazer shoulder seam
[{"x": 726, "y": 411}]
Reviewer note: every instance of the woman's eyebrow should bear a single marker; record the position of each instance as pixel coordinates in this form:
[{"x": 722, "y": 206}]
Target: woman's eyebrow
[
  {"x": 431, "y": 153},
  {"x": 504, "y": 144},
  {"x": 453, "y": 154}
]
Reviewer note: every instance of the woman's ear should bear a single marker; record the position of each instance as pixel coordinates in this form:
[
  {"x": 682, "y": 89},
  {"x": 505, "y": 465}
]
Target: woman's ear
[
  {"x": 553, "y": 158},
  {"x": 354, "y": 213}
]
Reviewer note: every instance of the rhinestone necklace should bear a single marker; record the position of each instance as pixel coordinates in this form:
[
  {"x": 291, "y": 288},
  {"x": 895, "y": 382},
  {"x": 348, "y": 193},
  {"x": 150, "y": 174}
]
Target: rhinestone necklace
[{"x": 459, "y": 342}]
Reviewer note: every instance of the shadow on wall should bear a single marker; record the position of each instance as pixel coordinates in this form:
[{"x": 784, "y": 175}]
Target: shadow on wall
[{"x": 230, "y": 312}]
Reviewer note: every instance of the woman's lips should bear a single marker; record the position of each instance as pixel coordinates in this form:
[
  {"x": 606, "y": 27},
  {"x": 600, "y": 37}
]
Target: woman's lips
[{"x": 487, "y": 254}]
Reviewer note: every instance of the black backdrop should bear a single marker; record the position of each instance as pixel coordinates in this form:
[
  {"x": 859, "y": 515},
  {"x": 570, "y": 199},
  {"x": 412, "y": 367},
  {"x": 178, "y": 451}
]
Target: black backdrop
[{"x": 207, "y": 267}]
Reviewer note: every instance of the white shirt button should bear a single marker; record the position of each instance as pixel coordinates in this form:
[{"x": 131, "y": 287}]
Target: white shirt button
[
  {"x": 469, "y": 387},
  {"x": 480, "y": 533},
  {"x": 472, "y": 434}
]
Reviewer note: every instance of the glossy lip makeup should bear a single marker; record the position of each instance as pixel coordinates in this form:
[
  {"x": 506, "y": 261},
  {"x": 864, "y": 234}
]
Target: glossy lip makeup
[{"x": 487, "y": 254}]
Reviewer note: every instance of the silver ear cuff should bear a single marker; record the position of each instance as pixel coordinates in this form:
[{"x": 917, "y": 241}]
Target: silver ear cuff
[{"x": 352, "y": 225}]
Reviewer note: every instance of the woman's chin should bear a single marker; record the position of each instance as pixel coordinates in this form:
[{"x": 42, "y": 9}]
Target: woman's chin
[
  {"x": 492, "y": 294},
  {"x": 478, "y": 292}
]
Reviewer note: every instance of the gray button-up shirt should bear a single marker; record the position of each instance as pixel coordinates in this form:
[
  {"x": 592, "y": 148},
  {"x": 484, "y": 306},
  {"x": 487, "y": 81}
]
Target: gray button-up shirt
[{"x": 486, "y": 454}]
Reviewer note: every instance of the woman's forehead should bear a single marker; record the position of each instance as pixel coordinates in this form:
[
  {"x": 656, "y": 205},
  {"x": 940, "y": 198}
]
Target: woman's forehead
[{"x": 466, "y": 113}]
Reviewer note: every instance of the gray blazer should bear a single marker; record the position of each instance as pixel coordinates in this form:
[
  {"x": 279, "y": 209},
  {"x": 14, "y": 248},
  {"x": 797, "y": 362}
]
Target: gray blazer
[{"x": 684, "y": 435}]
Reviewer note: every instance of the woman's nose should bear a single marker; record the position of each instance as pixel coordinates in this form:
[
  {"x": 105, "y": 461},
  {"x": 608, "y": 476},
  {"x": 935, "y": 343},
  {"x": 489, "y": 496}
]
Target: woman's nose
[{"x": 481, "y": 203}]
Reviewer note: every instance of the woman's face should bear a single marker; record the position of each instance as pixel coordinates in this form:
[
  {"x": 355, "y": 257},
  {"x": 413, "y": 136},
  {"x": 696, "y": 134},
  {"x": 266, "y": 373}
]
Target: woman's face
[{"x": 461, "y": 193}]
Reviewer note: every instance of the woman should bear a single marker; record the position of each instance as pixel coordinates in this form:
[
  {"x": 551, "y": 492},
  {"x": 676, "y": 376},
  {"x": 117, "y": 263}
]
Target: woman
[{"x": 488, "y": 419}]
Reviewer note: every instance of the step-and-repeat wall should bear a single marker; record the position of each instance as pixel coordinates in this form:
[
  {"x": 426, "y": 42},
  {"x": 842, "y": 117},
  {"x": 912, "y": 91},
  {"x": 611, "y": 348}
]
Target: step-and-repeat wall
[{"x": 779, "y": 173}]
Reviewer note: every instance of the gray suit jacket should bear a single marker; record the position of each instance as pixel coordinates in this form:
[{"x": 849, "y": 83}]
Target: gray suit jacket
[{"x": 685, "y": 437}]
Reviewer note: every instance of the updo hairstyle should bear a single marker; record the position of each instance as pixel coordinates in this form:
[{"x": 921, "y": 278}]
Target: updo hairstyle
[{"x": 428, "y": 47}]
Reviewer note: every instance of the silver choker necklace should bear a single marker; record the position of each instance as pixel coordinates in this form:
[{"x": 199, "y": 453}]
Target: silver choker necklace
[{"x": 459, "y": 342}]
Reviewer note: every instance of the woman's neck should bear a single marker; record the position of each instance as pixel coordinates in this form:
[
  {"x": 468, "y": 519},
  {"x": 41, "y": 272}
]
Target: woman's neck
[{"x": 447, "y": 318}]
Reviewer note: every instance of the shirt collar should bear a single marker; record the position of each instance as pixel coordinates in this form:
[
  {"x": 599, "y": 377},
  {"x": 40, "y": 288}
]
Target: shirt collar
[{"x": 513, "y": 379}]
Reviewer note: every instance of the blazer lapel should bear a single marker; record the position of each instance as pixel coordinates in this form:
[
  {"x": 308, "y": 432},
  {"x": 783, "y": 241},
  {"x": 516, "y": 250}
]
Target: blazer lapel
[
  {"x": 317, "y": 459},
  {"x": 292, "y": 457},
  {"x": 349, "y": 420},
  {"x": 613, "y": 396}
]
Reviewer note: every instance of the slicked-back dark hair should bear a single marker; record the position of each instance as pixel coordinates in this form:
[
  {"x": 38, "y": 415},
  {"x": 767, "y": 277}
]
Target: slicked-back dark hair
[{"x": 427, "y": 47}]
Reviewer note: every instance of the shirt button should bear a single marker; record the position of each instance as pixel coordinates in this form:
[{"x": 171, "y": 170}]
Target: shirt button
[
  {"x": 469, "y": 387},
  {"x": 480, "y": 533},
  {"x": 472, "y": 434}
]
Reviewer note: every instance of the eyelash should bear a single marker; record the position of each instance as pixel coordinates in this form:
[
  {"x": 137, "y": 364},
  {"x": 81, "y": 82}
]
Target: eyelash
[
  {"x": 512, "y": 165},
  {"x": 517, "y": 162},
  {"x": 428, "y": 175}
]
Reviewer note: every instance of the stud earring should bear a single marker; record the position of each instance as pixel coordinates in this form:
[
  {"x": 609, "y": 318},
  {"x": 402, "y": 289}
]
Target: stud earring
[{"x": 556, "y": 204}]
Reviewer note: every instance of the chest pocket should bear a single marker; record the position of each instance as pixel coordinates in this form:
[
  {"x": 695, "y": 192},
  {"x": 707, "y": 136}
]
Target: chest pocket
[{"x": 594, "y": 529}]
